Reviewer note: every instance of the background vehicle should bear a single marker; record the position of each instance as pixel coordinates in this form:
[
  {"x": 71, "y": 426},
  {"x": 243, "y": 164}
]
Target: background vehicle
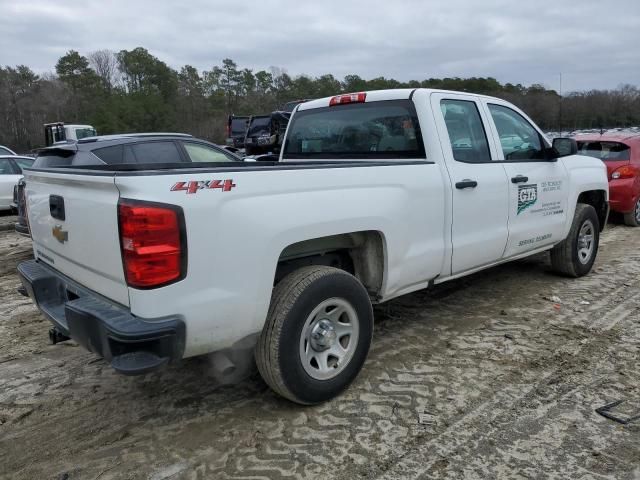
[
  {"x": 6, "y": 151},
  {"x": 265, "y": 133},
  {"x": 117, "y": 149},
  {"x": 237, "y": 130},
  {"x": 133, "y": 148},
  {"x": 374, "y": 196},
  {"x": 290, "y": 106},
  {"x": 620, "y": 152},
  {"x": 58, "y": 132},
  {"x": 10, "y": 173}
]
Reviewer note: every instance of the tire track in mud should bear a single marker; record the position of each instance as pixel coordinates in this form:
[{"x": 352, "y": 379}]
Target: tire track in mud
[{"x": 457, "y": 384}]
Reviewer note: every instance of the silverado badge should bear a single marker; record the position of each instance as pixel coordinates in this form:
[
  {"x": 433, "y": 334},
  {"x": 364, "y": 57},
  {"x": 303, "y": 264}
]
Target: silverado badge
[{"x": 59, "y": 234}]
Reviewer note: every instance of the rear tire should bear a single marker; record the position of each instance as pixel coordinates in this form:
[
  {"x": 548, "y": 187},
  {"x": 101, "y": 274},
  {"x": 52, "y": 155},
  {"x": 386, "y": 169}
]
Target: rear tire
[
  {"x": 632, "y": 218},
  {"x": 316, "y": 336},
  {"x": 574, "y": 257}
]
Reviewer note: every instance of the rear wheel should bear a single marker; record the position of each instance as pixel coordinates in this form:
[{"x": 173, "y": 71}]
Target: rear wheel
[
  {"x": 574, "y": 257},
  {"x": 317, "y": 334},
  {"x": 633, "y": 218}
]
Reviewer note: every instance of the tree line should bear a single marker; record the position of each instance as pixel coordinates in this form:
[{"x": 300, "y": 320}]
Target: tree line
[{"x": 134, "y": 91}]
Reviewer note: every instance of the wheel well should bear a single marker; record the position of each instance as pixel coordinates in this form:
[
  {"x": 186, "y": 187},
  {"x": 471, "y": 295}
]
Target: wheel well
[
  {"x": 596, "y": 198},
  {"x": 359, "y": 253}
]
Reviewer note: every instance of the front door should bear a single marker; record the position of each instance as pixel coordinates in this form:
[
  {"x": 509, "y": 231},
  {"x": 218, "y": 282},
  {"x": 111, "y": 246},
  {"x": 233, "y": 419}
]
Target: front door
[
  {"x": 480, "y": 203},
  {"x": 538, "y": 186}
]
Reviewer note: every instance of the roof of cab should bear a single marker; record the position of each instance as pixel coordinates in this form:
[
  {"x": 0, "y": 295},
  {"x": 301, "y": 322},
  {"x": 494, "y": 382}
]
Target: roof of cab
[{"x": 382, "y": 95}]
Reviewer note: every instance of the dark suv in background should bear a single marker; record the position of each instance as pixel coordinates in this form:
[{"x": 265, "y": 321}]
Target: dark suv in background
[{"x": 142, "y": 148}]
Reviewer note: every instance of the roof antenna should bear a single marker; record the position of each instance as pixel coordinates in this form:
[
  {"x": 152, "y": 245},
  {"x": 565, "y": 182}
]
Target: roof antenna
[{"x": 560, "y": 113}]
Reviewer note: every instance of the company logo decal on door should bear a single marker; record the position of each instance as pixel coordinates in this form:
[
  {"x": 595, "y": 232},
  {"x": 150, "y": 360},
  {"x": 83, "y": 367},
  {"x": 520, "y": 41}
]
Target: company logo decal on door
[{"x": 527, "y": 196}]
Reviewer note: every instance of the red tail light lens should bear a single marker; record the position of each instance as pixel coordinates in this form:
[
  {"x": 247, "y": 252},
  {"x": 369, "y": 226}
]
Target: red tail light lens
[
  {"x": 626, "y": 171},
  {"x": 152, "y": 243},
  {"x": 348, "y": 98}
]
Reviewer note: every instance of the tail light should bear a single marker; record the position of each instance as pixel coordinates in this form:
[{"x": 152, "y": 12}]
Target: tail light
[
  {"x": 626, "y": 171},
  {"x": 152, "y": 242},
  {"x": 348, "y": 98}
]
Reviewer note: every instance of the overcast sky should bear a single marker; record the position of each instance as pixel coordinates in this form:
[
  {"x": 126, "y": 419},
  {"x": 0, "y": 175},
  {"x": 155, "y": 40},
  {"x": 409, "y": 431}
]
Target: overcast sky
[{"x": 595, "y": 44}]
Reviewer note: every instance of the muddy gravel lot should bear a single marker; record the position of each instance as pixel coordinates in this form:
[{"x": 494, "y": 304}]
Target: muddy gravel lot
[{"x": 497, "y": 375}]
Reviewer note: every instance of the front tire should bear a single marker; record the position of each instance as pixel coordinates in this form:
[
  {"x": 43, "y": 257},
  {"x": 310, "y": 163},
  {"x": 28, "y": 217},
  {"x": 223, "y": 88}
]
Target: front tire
[
  {"x": 632, "y": 218},
  {"x": 316, "y": 336},
  {"x": 574, "y": 257}
]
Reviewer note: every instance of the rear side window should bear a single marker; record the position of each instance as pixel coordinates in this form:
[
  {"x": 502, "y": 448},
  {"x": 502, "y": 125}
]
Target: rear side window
[
  {"x": 239, "y": 126},
  {"x": 110, "y": 155},
  {"x": 466, "y": 132},
  {"x": 607, "y": 151},
  {"x": 152, "y": 152},
  {"x": 202, "y": 153},
  {"x": 385, "y": 129}
]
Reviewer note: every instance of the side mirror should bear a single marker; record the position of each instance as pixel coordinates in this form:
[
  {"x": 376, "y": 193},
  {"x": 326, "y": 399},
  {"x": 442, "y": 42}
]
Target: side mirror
[{"x": 565, "y": 146}]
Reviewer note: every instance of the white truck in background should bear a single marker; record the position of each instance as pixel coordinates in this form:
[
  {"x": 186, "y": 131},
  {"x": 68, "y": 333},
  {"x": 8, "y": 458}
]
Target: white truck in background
[
  {"x": 59, "y": 132},
  {"x": 375, "y": 195}
]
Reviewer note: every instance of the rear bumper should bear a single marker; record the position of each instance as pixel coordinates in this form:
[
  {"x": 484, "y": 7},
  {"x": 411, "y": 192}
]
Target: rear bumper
[
  {"x": 623, "y": 194},
  {"x": 132, "y": 345}
]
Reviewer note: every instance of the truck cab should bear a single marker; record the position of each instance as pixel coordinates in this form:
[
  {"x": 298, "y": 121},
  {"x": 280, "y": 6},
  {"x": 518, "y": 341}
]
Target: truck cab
[{"x": 59, "y": 132}]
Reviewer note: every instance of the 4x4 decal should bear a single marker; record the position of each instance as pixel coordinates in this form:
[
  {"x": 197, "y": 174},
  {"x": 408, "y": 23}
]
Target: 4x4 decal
[{"x": 194, "y": 185}]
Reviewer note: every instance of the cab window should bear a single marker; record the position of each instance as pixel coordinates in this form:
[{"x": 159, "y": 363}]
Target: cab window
[
  {"x": 519, "y": 139},
  {"x": 466, "y": 132}
]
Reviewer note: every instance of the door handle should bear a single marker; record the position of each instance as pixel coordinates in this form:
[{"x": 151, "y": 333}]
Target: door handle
[
  {"x": 466, "y": 183},
  {"x": 519, "y": 179}
]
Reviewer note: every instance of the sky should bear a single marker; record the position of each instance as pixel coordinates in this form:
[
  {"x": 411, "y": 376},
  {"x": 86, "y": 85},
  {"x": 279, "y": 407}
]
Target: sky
[{"x": 593, "y": 44}]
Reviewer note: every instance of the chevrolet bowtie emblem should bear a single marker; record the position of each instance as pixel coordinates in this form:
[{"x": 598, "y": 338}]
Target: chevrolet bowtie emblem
[{"x": 59, "y": 234}]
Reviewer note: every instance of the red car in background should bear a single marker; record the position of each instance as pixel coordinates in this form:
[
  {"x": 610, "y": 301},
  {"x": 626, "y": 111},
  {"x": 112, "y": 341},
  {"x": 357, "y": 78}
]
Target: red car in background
[{"x": 621, "y": 154}]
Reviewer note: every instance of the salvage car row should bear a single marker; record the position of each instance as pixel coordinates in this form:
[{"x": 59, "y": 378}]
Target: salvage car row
[{"x": 145, "y": 258}]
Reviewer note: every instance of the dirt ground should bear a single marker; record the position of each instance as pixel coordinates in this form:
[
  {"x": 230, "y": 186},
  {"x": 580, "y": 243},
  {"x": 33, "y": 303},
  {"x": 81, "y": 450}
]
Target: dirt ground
[{"x": 487, "y": 377}]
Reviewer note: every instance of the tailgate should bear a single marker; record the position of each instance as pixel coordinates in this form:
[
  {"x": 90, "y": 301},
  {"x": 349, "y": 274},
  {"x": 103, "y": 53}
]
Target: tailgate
[{"x": 74, "y": 226}]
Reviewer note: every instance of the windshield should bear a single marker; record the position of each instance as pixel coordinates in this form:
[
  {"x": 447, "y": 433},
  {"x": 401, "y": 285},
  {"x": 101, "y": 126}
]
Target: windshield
[
  {"x": 260, "y": 125},
  {"x": 85, "y": 132},
  {"x": 607, "y": 151},
  {"x": 385, "y": 129}
]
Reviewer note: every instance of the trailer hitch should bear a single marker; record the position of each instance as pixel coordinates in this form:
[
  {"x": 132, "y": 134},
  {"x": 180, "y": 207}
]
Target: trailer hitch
[{"x": 56, "y": 336}]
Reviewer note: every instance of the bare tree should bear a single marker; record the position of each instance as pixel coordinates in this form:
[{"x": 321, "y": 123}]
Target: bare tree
[{"x": 105, "y": 63}]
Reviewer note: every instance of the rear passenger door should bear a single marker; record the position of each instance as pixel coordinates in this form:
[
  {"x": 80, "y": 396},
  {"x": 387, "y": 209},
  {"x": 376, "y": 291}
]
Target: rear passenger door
[
  {"x": 478, "y": 184},
  {"x": 538, "y": 185}
]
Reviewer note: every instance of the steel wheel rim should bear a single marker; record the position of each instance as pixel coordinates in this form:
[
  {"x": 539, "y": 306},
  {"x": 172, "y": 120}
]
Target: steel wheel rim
[
  {"x": 329, "y": 339},
  {"x": 638, "y": 211},
  {"x": 586, "y": 242}
]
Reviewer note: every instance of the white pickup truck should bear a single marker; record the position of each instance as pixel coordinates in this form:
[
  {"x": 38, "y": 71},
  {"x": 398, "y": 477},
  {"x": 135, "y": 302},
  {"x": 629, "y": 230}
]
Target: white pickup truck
[{"x": 375, "y": 195}]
